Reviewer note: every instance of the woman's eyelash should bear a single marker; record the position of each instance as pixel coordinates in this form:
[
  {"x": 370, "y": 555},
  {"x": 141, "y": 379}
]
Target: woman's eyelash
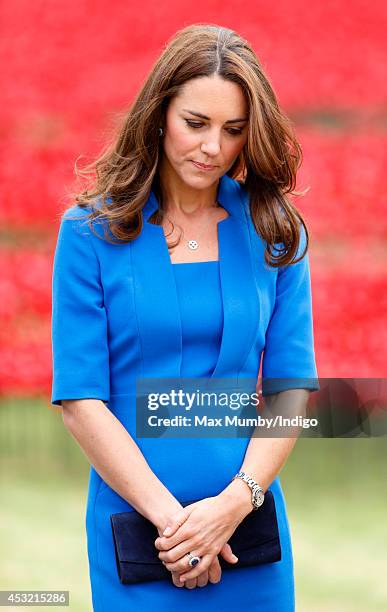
[{"x": 198, "y": 124}]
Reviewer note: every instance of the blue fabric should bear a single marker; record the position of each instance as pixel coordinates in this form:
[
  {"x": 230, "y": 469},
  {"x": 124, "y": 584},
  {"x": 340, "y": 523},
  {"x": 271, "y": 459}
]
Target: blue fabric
[
  {"x": 120, "y": 312},
  {"x": 201, "y": 313}
]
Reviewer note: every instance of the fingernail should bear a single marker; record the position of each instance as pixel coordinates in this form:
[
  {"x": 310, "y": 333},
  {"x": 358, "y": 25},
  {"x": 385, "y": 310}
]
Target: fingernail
[
  {"x": 235, "y": 558},
  {"x": 167, "y": 531}
]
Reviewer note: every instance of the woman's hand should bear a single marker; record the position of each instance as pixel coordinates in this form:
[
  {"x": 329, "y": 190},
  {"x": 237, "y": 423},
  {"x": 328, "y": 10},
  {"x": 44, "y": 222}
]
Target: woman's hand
[
  {"x": 213, "y": 574},
  {"x": 202, "y": 528}
]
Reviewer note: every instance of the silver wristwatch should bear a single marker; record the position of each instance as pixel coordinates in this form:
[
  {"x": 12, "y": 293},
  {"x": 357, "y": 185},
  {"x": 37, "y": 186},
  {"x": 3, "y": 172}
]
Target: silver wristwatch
[{"x": 257, "y": 494}]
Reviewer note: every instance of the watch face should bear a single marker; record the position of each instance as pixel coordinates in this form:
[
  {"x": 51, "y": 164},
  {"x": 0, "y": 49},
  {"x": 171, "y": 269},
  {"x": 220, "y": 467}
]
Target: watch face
[{"x": 259, "y": 498}]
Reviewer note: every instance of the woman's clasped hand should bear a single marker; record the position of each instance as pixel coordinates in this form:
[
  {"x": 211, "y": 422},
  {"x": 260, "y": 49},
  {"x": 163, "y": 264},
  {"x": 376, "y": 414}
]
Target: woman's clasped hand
[{"x": 202, "y": 529}]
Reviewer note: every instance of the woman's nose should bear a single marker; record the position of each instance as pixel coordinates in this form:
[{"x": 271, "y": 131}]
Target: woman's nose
[
  {"x": 210, "y": 147},
  {"x": 211, "y": 144}
]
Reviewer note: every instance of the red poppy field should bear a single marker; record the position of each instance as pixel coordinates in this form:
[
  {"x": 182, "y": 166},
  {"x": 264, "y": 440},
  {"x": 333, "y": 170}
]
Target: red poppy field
[{"x": 69, "y": 67}]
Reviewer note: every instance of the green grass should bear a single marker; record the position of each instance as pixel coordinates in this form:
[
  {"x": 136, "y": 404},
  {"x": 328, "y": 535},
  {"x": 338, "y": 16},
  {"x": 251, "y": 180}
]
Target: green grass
[
  {"x": 336, "y": 493},
  {"x": 43, "y": 544}
]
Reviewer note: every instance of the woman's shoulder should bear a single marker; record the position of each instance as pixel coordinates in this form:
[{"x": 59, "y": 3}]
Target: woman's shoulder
[
  {"x": 86, "y": 215},
  {"x": 75, "y": 211},
  {"x": 81, "y": 211}
]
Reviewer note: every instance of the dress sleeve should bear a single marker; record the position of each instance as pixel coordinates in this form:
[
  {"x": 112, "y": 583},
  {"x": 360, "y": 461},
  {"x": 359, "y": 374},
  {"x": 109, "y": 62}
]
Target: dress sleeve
[
  {"x": 288, "y": 358},
  {"x": 80, "y": 354}
]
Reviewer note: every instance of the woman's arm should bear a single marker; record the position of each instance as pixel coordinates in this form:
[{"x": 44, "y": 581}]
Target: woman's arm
[
  {"x": 265, "y": 456},
  {"x": 117, "y": 458},
  {"x": 208, "y": 524}
]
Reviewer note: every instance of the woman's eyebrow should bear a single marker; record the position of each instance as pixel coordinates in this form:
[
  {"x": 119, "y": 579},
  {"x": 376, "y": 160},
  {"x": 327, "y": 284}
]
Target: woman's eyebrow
[{"x": 239, "y": 120}]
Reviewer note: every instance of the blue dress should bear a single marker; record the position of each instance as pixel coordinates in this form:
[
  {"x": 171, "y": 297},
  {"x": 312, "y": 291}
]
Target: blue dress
[
  {"x": 201, "y": 313},
  {"x": 125, "y": 311}
]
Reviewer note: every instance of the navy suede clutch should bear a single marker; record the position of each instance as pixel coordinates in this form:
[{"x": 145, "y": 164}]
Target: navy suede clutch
[{"x": 255, "y": 541}]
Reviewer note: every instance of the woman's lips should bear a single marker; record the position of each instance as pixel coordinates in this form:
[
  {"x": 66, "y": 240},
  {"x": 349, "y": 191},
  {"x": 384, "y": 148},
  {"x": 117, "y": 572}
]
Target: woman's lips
[{"x": 201, "y": 166}]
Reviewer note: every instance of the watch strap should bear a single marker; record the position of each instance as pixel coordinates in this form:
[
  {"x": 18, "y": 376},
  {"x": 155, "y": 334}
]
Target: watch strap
[{"x": 252, "y": 484}]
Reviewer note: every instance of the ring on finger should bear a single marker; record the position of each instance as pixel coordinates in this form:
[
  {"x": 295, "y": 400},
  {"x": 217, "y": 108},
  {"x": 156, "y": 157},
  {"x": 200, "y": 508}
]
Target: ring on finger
[{"x": 193, "y": 559}]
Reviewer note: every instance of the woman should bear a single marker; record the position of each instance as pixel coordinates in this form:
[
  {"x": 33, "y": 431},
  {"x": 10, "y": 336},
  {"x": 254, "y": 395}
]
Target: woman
[{"x": 171, "y": 267}]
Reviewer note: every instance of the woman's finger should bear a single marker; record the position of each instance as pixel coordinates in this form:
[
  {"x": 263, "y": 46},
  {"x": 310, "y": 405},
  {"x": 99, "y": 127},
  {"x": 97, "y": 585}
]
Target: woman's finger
[
  {"x": 176, "y": 581},
  {"x": 227, "y": 553},
  {"x": 202, "y": 579},
  {"x": 215, "y": 571},
  {"x": 175, "y": 522},
  {"x": 202, "y": 566},
  {"x": 190, "y": 584},
  {"x": 176, "y": 554}
]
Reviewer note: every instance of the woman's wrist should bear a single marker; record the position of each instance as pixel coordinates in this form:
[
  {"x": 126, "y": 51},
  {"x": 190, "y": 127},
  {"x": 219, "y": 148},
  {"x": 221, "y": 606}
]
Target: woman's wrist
[
  {"x": 237, "y": 496},
  {"x": 160, "y": 516}
]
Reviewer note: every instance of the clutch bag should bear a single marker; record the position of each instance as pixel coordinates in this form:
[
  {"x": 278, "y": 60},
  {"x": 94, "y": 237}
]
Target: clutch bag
[{"x": 255, "y": 541}]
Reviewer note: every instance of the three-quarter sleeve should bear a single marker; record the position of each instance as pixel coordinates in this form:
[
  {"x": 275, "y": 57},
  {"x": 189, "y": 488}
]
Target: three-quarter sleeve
[
  {"x": 80, "y": 353},
  {"x": 289, "y": 358}
]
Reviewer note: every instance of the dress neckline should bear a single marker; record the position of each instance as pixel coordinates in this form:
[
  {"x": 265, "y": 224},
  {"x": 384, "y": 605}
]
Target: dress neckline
[{"x": 192, "y": 263}]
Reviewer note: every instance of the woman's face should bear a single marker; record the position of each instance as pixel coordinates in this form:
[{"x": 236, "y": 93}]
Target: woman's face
[{"x": 206, "y": 123}]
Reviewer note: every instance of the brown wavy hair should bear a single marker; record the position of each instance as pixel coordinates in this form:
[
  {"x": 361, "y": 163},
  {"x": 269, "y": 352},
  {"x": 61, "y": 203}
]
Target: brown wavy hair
[{"x": 127, "y": 169}]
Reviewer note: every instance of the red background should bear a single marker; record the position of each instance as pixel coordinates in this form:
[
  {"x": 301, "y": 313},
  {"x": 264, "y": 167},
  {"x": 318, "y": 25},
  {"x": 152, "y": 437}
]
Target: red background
[{"x": 67, "y": 67}]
